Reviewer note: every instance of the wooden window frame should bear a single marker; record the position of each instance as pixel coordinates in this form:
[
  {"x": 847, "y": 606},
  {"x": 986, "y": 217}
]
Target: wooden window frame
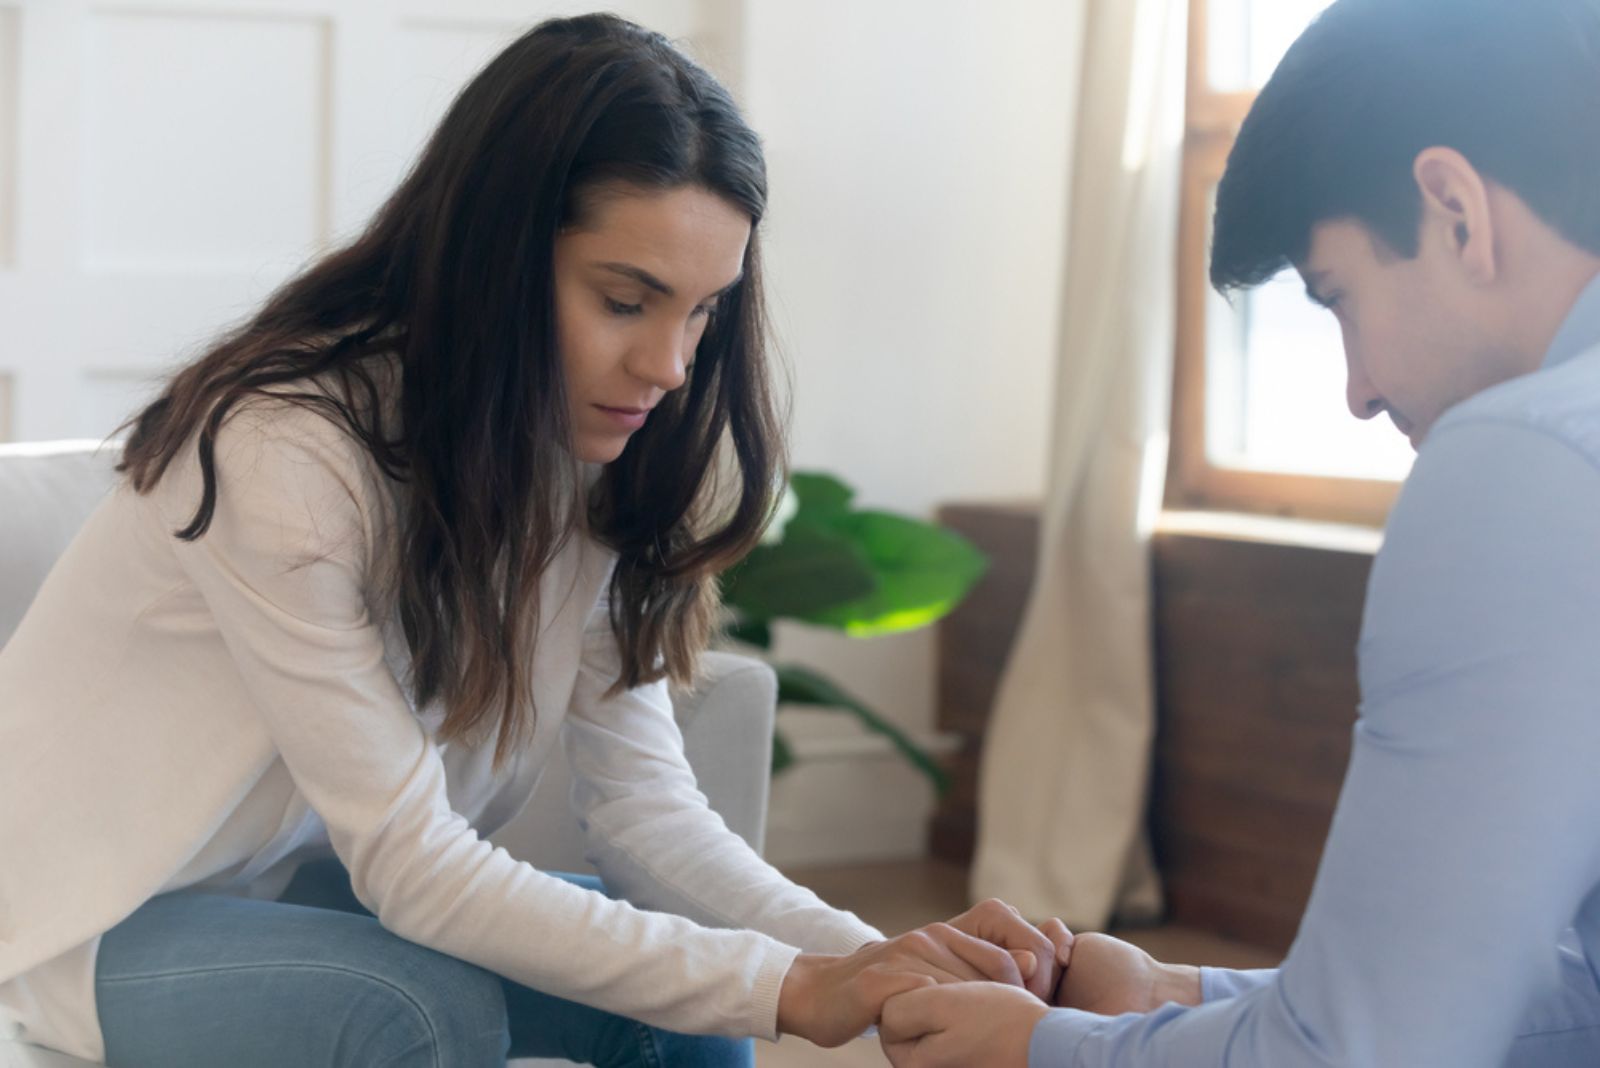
[{"x": 1195, "y": 482}]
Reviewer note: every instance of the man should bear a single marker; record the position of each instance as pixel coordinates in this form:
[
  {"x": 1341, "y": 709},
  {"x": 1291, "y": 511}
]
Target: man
[{"x": 1432, "y": 170}]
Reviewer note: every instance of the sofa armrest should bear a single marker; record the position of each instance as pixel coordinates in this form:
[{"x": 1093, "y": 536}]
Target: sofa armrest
[{"x": 727, "y": 724}]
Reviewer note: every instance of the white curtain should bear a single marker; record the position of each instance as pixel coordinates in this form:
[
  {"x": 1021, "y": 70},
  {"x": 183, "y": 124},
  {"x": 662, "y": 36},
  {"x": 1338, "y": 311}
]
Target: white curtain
[{"x": 1065, "y": 773}]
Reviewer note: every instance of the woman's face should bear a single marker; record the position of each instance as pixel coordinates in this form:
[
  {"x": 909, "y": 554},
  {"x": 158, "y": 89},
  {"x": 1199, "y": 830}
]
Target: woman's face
[{"x": 636, "y": 282}]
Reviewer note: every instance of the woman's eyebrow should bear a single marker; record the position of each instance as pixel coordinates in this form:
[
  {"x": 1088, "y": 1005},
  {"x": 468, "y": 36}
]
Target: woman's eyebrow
[
  {"x": 644, "y": 277},
  {"x": 639, "y": 274}
]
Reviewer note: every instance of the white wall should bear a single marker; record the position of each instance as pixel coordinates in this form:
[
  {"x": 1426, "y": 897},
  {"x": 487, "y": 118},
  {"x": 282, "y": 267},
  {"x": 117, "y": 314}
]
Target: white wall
[
  {"x": 918, "y": 153},
  {"x": 166, "y": 163}
]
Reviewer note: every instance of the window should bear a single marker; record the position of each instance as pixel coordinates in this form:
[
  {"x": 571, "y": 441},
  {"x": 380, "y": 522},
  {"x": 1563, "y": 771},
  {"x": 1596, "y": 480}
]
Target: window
[{"x": 1259, "y": 416}]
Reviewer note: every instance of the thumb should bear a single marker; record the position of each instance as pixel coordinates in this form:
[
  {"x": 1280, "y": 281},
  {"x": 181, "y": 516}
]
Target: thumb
[
  {"x": 878, "y": 985},
  {"x": 1061, "y": 937},
  {"x": 909, "y": 1016},
  {"x": 1027, "y": 963}
]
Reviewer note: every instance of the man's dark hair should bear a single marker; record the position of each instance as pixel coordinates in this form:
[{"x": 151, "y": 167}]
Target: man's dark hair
[{"x": 1513, "y": 85}]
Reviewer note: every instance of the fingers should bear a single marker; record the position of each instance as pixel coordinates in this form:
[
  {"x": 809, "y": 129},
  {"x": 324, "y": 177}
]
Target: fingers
[
  {"x": 912, "y": 1015},
  {"x": 881, "y": 983},
  {"x": 906, "y": 963},
  {"x": 1060, "y": 938},
  {"x": 927, "y": 951},
  {"x": 995, "y": 921},
  {"x": 984, "y": 960}
]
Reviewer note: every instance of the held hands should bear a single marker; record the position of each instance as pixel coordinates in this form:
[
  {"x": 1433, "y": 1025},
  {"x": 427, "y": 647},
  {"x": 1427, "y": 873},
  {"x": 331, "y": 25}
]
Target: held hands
[
  {"x": 1041, "y": 952},
  {"x": 830, "y": 1000},
  {"x": 961, "y": 1025},
  {"x": 1111, "y": 977},
  {"x": 990, "y": 1024}
]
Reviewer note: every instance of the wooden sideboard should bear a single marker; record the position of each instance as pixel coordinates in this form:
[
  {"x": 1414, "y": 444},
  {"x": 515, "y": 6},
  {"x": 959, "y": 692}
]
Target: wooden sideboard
[{"x": 1256, "y": 691}]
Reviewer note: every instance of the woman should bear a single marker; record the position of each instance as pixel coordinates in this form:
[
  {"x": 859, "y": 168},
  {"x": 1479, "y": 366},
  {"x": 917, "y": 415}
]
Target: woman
[{"x": 460, "y": 488}]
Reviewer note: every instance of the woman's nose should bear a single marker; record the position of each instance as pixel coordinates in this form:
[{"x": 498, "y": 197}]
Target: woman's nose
[{"x": 661, "y": 361}]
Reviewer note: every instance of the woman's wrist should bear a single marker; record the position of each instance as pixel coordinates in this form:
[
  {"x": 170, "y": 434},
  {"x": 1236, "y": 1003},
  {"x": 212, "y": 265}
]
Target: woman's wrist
[{"x": 796, "y": 993}]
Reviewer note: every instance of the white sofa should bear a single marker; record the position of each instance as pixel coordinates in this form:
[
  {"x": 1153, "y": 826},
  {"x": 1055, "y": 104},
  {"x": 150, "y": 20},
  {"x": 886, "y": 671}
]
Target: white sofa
[{"x": 48, "y": 489}]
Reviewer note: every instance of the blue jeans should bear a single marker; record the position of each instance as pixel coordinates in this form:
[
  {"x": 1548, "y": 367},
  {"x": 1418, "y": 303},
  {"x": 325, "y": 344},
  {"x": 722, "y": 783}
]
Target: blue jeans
[{"x": 312, "y": 980}]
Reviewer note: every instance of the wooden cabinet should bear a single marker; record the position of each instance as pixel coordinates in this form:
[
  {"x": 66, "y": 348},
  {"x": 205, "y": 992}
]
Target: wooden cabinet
[
  {"x": 973, "y": 643},
  {"x": 1256, "y": 689}
]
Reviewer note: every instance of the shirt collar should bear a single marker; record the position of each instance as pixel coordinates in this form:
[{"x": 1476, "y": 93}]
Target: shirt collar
[{"x": 1581, "y": 331}]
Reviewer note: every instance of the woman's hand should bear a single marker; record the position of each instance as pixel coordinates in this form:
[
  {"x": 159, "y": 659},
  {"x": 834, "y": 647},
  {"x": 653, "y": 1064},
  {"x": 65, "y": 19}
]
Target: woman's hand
[
  {"x": 1040, "y": 952},
  {"x": 1109, "y": 976},
  {"x": 830, "y": 1000}
]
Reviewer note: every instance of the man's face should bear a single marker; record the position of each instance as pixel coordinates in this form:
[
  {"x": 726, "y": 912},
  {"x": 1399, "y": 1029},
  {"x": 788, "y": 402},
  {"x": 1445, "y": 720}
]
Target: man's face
[{"x": 1418, "y": 336}]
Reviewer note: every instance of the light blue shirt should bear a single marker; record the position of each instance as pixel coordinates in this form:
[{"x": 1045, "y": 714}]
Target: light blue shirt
[{"x": 1457, "y": 909}]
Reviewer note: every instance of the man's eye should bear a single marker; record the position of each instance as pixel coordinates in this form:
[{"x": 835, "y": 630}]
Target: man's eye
[{"x": 616, "y": 307}]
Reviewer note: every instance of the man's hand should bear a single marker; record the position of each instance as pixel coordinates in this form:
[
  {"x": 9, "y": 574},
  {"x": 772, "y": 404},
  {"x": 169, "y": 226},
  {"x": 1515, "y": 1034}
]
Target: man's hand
[
  {"x": 960, "y": 1026},
  {"x": 830, "y": 1000},
  {"x": 1040, "y": 952},
  {"x": 1110, "y": 977}
]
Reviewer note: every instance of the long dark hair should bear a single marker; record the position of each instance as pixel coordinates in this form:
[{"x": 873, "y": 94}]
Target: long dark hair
[{"x": 452, "y": 284}]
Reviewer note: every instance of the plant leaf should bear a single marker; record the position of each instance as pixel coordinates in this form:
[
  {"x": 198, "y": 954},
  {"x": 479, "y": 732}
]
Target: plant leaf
[
  {"x": 822, "y": 496},
  {"x": 812, "y": 568},
  {"x": 802, "y": 686},
  {"x": 922, "y": 570},
  {"x": 754, "y": 632},
  {"x": 782, "y": 755}
]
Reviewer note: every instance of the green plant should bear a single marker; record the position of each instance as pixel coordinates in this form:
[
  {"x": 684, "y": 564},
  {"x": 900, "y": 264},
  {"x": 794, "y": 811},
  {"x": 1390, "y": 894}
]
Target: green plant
[{"x": 866, "y": 573}]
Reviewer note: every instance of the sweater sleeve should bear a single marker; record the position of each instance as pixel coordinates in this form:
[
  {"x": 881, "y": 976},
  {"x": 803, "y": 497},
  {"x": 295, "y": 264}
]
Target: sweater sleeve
[
  {"x": 284, "y": 568},
  {"x": 649, "y": 830}
]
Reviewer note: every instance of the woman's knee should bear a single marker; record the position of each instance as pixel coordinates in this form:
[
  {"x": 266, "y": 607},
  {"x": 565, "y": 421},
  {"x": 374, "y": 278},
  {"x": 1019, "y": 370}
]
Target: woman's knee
[
  {"x": 221, "y": 980},
  {"x": 435, "y": 1012}
]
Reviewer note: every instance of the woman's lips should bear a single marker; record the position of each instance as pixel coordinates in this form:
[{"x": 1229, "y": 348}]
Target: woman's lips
[{"x": 625, "y": 418}]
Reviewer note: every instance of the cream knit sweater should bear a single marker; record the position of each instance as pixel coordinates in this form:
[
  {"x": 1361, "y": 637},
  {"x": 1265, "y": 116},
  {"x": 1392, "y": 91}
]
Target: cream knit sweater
[{"x": 206, "y": 715}]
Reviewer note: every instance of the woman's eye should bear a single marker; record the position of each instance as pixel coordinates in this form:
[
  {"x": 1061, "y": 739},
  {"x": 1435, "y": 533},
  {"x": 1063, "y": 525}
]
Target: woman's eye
[
  {"x": 703, "y": 311},
  {"x": 616, "y": 307}
]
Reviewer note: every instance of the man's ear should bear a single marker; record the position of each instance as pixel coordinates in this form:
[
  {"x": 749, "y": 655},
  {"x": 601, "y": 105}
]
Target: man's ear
[{"x": 1456, "y": 212}]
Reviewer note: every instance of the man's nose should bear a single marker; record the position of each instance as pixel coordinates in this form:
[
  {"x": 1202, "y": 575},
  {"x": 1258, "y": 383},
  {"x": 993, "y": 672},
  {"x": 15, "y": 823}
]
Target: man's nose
[{"x": 1365, "y": 401}]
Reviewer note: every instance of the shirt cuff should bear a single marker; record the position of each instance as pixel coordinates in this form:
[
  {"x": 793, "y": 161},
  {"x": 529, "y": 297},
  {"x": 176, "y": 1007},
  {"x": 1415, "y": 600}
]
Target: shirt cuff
[
  {"x": 1057, "y": 1036},
  {"x": 852, "y": 935},
  {"x": 1219, "y": 984},
  {"x": 769, "y": 984}
]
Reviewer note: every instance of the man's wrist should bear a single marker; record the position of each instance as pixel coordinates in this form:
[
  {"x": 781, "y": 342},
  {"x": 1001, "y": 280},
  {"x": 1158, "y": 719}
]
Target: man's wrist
[{"x": 1178, "y": 983}]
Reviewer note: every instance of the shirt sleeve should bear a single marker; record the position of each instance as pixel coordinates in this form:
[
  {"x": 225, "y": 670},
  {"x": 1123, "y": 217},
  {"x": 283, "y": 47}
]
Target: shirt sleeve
[
  {"x": 1218, "y": 984},
  {"x": 649, "y": 830},
  {"x": 284, "y": 570},
  {"x": 1463, "y": 843}
]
